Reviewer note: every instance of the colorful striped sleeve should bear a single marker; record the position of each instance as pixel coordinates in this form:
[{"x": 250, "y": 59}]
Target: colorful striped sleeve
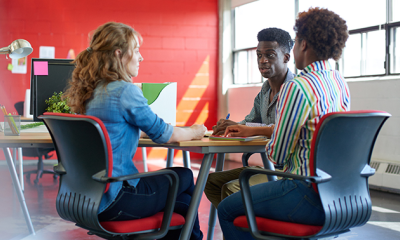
[{"x": 292, "y": 112}]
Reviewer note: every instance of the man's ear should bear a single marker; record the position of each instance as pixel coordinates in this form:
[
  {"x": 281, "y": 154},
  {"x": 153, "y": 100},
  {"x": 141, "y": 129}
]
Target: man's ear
[{"x": 286, "y": 57}]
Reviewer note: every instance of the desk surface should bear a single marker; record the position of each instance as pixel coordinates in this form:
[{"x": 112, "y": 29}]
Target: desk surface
[
  {"x": 27, "y": 137},
  {"x": 205, "y": 142},
  {"x": 44, "y": 137},
  {"x": 26, "y": 119}
]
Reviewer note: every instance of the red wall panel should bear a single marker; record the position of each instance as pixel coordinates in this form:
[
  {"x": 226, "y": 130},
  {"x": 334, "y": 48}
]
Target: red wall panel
[{"x": 180, "y": 41}]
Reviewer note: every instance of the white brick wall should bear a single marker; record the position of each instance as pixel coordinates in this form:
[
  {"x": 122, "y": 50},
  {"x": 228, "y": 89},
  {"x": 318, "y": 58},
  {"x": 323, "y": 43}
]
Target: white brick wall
[{"x": 381, "y": 95}]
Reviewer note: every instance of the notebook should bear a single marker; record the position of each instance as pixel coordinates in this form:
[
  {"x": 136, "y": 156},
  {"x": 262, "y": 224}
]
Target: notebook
[{"x": 243, "y": 139}]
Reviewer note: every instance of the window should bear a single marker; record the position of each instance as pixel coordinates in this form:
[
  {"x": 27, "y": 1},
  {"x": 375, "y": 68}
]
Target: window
[
  {"x": 373, "y": 53},
  {"x": 248, "y": 20},
  {"x": 396, "y": 10},
  {"x": 251, "y": 18},
  {"x": 352, "y": 56},
  {"x": 348, "y": 9},
  {"x": 373, "y": 47},
  {"x": 395, "y": 50}
]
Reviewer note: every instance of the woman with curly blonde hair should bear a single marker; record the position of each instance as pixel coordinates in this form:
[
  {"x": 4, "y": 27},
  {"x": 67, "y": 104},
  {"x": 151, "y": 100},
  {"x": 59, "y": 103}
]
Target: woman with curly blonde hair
[
  {"x": 99, "y": 63},
  {"x": 318, "y": 89},
  {"x": 101, "y": 86}
]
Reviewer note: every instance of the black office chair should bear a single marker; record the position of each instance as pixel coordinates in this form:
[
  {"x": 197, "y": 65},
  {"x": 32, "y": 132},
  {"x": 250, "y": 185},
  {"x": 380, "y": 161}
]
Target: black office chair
[
  {"x": 340, "y": 155},
  {"x": 40, "y": 153},
  {"x": 85, "y": 166}
]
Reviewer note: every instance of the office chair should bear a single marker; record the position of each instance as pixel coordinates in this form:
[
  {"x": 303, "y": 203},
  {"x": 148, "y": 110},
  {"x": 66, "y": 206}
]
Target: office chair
[
  {"x": 341, "y": 151},
  {"x": 35, "y": 152},
  {"x": 85, "y": 166}
]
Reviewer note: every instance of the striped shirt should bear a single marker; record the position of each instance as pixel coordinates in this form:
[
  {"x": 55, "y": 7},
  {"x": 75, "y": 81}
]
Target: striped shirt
[{"x": 302, "y": 102}]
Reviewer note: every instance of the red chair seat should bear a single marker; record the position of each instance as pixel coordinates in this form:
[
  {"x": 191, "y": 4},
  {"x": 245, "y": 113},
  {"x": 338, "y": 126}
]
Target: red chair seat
[
  {"x": 142, "y": 224},
  {"x": 279, "y": 227}
]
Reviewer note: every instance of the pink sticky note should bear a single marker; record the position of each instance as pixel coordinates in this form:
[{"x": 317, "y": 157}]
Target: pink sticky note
[{"x": 41, "y": 68}]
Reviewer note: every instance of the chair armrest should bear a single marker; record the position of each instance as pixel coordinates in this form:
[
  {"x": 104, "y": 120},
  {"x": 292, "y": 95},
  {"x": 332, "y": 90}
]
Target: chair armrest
[
  {"x": 100, "y": 176},
  {"x": 245, "y": 160},
  {"x": 171, "y": 198},
  {"x": 246, "y": 194},
  {"x": 323, "y": 177},
  {"x": 367, "y": 171},
  {"x": 59, "y": 169},
  {"x": 247, "y": 200}
]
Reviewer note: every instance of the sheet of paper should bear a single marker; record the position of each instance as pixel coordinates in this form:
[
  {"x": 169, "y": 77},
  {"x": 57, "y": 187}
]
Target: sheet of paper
[
  {"x": 47, "y": 52},
  {"x": 243, "y": 139},
  {"x": 19, "y": 65}
]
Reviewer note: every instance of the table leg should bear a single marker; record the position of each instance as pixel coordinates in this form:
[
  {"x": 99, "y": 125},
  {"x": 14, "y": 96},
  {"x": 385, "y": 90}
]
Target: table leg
[
  {"x": 17, "y": 187},
  {"x": 268, "y": 165},
  {"x": 186, "y": 159},
  {"x": 14, "y": 155},
  {"x": 196, "y": 198},
  {"x": 144, "y": 158},
  {"x": 21, "y": 169},
  {"x": 170, "y": 157},
  {"x": 213, "y": 212}
]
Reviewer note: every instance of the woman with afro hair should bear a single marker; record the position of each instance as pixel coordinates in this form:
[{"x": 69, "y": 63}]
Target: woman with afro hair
[{"x": 318, "y": 89}]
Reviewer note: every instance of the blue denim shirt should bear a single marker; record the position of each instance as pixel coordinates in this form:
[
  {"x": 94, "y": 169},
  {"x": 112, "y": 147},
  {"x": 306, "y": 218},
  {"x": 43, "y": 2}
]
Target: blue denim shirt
[{"x": 124, "y": 111}]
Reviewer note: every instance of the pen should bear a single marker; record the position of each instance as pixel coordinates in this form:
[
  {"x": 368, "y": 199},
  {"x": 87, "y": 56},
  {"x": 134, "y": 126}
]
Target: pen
[{"x": 227, "y": 116}]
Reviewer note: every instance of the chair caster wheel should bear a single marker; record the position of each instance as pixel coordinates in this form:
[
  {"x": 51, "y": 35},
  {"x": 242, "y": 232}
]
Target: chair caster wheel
[{"x": 36, "y": 181}]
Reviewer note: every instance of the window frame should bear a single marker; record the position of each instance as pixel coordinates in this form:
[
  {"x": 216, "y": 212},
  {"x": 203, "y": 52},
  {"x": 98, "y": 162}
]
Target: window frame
[{"x": 387, "y": 27}]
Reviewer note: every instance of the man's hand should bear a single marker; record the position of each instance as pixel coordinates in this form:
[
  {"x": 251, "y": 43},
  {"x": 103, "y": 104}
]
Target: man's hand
[
  {"x": 219, "y": 129},
  {"x": 240, "y": 131},
  {"x": 247, "y": 131}
]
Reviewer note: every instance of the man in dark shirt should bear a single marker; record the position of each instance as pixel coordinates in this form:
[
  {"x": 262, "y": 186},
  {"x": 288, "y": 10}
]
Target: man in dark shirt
[{"x": 273, "y": 54}]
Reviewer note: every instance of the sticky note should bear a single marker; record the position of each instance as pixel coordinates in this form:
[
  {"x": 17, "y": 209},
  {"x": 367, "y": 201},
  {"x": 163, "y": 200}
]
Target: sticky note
[
  {"x": 41, "y": 68},
  {"x": 10, "y": 67}
]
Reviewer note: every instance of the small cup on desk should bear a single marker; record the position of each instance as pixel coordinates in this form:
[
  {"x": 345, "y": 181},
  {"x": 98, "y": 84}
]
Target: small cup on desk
[{"x": 12, "y": 125}]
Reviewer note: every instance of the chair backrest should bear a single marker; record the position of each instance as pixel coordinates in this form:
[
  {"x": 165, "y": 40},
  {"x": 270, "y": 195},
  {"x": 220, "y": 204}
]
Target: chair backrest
[
  {"x": 342, "y": 147},
  {"x": 83, "y": 149}
]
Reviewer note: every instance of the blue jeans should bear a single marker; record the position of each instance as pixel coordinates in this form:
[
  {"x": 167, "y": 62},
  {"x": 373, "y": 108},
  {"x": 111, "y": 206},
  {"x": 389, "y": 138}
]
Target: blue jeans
[
  {"x": 149, "y": 197},
  {"x": 284, "y": 200}
]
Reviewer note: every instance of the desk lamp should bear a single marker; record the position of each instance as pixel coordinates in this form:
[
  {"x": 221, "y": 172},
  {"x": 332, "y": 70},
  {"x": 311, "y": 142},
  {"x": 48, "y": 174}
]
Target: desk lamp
[{"x": 17, "y": 49}]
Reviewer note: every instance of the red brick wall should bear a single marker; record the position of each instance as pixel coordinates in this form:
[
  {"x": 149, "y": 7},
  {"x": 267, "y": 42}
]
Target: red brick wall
[{"x": 180, "y": 43}]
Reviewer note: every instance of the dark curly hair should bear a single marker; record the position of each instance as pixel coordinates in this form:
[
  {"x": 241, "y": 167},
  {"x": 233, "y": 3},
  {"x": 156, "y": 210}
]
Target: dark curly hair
[
  {"x": 324, "y": 30},
  {"x": 282, "y": 37}
]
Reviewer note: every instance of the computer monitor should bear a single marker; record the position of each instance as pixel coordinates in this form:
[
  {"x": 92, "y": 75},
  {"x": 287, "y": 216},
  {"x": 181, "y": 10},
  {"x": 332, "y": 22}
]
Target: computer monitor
[{"x": 43, "y": 86}]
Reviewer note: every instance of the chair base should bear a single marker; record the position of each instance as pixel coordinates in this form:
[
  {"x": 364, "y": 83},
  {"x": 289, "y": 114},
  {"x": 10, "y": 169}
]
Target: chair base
[
  {"x": 127, "y": 237},
  {"x": 39, "y": 153},
  {"x": 269, "y": 236},
  {"x": 39, "y": 173}
]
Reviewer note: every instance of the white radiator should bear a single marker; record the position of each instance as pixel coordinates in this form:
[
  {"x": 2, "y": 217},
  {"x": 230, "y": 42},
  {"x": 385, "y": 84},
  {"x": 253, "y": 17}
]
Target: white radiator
[{"x": 386, "y": 177}]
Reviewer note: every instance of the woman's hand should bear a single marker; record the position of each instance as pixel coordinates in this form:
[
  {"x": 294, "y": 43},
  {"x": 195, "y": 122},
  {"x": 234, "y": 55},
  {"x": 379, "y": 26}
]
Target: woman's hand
[
  {"x": 198, "y": 131},
  {"x": 180, "y": 134}
]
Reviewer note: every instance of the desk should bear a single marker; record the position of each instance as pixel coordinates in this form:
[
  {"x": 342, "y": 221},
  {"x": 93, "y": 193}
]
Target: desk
[
  {"x": 26, "y": 119},
  {"x": 25, "y": 140},
  {"x": 205, "y": 146}
]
